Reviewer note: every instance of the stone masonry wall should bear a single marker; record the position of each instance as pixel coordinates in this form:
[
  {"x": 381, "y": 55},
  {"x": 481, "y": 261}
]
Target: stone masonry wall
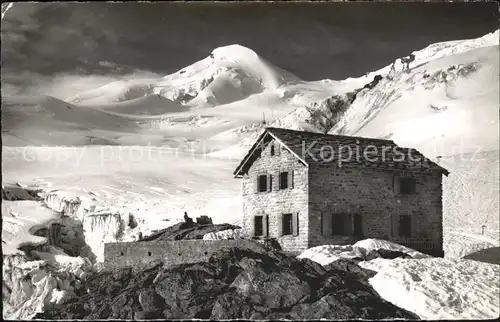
[
  {"x": 370, "y": 192},
  {"x": 171, "y": 252},
  {"x": 277, "y": 202}
]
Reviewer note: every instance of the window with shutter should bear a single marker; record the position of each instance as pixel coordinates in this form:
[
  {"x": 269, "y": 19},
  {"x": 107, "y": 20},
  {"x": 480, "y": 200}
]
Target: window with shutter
[
  {"x": 279, "y": 224},
  {"x": 258, "y": 152},
  {"x": 338, "y": 224},
  {"x": 276, "y": 181},
  {"x": 290, "y": 179},
  {"x": 295, "y": 224},
  {"x": 265, "y": 226},
  {"x": 341, "y": 224},
  {"x": 404, "y": 185},
  {"x": 358, "y": 225},
  {"x": 395, "y": 184},
  {"x": 327, "y": 224},
  {"x": 287, "y": 224},
  {"x": 258, "y": 226},
  {"x": 262, "y": 183},
  {"x": 395, "y": 225},
  {"x": 348, "y": 225},
  {"x": 283, "y": 180},
  {"x": 407, "y": 186},
  {"x": 322, "y": 224}
]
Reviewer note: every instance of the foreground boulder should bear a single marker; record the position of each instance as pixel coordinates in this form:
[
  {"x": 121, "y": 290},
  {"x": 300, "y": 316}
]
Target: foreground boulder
[
  {"x": 224, "y": 234},
  {"x": 385, "y": 253},
  {"x": 271, "y": 286},
  {"x": 489, "y": 255},
  {"x": 189, "y": 291},
  {"x": 235, "y": 283},
  {"x": 345, "y": 305},
  {"x": 349, "y": 265},
  {"x": 232, "y": 305},
  {"x": 187, "y": 230}
]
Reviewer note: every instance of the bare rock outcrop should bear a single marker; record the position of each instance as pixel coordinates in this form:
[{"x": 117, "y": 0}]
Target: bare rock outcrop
[
  {"x": 234, "y": 283},
  {"x": 187, "y": 230}
]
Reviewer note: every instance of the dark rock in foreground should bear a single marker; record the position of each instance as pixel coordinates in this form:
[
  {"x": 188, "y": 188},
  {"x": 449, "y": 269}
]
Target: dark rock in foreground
[
  {"x": 348, "y": 265},
  {"x": 234, "y": 283},
  {"x": 488, "y": 255},
  {"x": 385, "y": 253},
  {"x": 187, "y": 230},
  {"x": 15, "y": 192}
]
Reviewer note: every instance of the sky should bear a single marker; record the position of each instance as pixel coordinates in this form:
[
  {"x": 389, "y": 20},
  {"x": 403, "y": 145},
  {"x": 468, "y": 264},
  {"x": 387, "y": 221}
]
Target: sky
[{"x": 57, "y": 43}]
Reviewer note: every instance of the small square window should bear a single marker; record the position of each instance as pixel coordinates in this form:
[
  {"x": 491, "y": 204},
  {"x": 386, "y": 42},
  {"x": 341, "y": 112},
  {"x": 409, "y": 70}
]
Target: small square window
[
  {"x": 287, "y": 224},
  {"x": 407, "y": 186},
  {"x": 262, "y": 181},
  {"x": 283, "y": 180},
  {"x": 259, "y": 226}
]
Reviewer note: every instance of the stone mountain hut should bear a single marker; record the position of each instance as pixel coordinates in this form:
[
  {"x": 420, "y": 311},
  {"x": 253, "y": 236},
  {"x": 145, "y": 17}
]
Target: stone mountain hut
[{"x": 308, "y": 189}]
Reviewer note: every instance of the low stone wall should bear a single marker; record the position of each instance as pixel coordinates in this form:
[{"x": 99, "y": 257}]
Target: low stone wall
[{"x": 171, "y": 252}]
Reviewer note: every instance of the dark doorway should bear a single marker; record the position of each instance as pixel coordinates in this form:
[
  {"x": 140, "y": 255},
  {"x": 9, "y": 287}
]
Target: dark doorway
[
  {"x": 358, "y": 225},
  {"x": 259, "y": 225},
  {"x": 405, "y": 226}
]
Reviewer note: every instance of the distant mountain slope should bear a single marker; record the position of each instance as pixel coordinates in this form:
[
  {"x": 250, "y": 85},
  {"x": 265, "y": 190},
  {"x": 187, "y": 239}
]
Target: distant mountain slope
[
  {"x": 113, "y": 92},
  {"x": 446, "y": 85},
  {"x": 238, "y": 85},
  {"x": 43, "y": 120},
  {"x": 228, "y": 74},
  {"x": 446, "y": 103}
]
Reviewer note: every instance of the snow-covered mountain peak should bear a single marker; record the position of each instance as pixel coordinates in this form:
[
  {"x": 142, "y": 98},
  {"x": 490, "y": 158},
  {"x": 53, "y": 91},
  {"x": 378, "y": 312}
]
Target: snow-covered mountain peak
[
  {"x": 235, "y": 53},
  {"x": 228, "y": 74}
]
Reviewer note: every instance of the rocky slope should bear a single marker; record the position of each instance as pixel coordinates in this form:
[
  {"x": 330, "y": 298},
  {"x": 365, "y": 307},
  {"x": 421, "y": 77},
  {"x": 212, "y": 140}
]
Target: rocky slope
[
  {"x": 234, "y": 283},
  {"x": 188, "y": 231}
]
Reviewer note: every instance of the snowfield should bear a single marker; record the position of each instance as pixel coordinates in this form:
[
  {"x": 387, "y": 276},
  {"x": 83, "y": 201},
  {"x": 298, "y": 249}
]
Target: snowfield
[
  {"x": 326, "y": 254},
  {"x": 19, "y": 220},
  {"x": 438, "y": 288},
  {"x": 471, "y": 202},
  {"x": 433, "y": 288},
  {"x": 374, "y": 244}
]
